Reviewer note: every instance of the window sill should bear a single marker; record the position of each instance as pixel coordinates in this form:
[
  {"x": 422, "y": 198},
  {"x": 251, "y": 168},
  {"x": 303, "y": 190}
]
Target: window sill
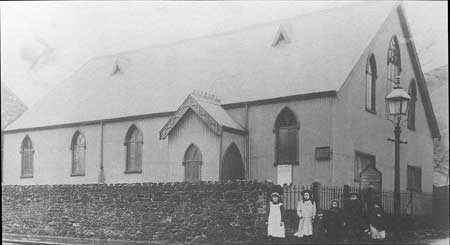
[
  {"x": 413, "y": 190},
  {"x": 286, "y": 163},
  {"x": 133, "y": 172},
  {"x": 26, "y": 176},
  {"x": 323, "y": 159},
  {"x": 74, "y": 175},
  {"x": 371, "y": 111}
]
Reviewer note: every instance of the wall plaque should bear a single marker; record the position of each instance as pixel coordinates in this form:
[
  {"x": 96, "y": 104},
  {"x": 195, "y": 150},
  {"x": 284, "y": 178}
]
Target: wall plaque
[{"x": 284, "y": 174}]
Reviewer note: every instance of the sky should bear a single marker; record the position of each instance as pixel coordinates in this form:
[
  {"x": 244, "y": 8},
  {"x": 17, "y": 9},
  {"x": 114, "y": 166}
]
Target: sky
[{"x": 43, "y": 43}]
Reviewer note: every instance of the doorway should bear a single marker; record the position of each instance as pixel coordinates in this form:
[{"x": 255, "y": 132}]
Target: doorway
[{"x": 232, "y": 165}]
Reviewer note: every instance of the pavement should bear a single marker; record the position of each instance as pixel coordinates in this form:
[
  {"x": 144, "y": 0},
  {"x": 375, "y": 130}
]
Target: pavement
[
  {"x": 16, "y": 239},
  {"x": 54, "y": 240},
  {"x": 445, "y": 241}
]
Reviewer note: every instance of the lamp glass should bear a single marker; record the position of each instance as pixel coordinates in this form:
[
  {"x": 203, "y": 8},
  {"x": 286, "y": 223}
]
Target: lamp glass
[
  {"x": 404, "y": 107},
  {"x": 394, "y": 107},
  {"x": 397, "y": 102}
]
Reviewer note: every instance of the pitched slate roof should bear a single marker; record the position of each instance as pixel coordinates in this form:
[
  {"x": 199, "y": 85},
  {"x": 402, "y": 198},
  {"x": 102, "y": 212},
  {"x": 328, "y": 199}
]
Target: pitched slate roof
[
  {"x": 236, "y": 66},
  {"x": 208, "y": 109},
  {"x": 12, "y": 107}
]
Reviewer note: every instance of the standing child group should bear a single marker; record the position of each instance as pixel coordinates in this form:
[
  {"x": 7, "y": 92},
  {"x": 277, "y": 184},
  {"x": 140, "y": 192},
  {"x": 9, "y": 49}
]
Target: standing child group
[{"x": 332, "y": 225}]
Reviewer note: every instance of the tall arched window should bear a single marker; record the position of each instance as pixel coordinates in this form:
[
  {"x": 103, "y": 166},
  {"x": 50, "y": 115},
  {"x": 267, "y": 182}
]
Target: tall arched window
[
  {"x": 27, "y": 152},
  {"x": 393, "y": 63},
  {"x": 133, "y": 143},
  {"x": 78, "y": 148},
  {"x": 286, "y": 145},
  {"x": 192, "y": 164},
  {"x": 412, "y": 105},
  {"x": 371, "y": 77}
]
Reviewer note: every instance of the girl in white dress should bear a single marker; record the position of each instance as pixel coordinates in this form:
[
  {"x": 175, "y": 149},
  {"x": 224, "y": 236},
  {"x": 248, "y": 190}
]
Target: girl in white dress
[
  {"x": 306, "y": 211},
  {"x": 275, "y": 220}
]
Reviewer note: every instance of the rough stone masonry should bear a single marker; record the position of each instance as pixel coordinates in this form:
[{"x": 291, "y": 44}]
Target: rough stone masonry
[{"x": 189, "y": 212}]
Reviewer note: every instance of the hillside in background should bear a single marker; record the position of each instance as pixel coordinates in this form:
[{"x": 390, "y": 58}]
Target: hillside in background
[{"x": 437, "y": 82}]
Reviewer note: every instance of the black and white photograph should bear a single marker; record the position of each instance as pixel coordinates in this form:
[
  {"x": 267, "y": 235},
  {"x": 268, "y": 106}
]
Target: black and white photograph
[{"x": 224, "y": 122}]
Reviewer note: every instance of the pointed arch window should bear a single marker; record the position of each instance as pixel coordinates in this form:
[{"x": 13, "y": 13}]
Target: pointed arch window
[
  {"x": 192, "y": 164},
  {"x": 371, "y": 77},
  {"x": 393, "y": 63},
  {"x": 412, "y": 91},
  {"x": 286, "y": 140},
  {"x": 27, "y": 152},
  {"x": 133, "y": 143},
  {"x": 78, "y": 147}
]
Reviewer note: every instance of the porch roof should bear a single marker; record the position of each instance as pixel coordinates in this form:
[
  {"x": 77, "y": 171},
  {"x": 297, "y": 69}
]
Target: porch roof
[{"x": 208, "y": 109}]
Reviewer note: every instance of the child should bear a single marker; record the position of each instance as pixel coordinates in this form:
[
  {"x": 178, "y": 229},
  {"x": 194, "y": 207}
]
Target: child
[
  {"x": 334, "y": 222},
  {"x": 353, "y": 213},
  {"x": 377, "y": 224},
  {"x": 275, "y": 221},
  {"x": 306, "y": 211},
  {"x": 319, "y": 229}
]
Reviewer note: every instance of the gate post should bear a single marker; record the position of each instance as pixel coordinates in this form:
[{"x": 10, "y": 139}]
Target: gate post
[
  {"x": 345, "y": 195},
  {"x": 315, "y": 191},
  {"x": 370, "y": 198}
]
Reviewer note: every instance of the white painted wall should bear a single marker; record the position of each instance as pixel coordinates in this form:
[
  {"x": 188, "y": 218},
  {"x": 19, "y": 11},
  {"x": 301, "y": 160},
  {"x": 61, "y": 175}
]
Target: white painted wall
[
  {"x": 192, "y": 130},
  {"x": 355, "y": 129}
]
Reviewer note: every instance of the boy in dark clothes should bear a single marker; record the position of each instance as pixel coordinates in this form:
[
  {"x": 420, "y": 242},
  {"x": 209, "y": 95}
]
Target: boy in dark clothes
[
  {"x": 334, "y": 222},
  {"x": 354, "y": 220},
  {"x": 320, "y": 228}
]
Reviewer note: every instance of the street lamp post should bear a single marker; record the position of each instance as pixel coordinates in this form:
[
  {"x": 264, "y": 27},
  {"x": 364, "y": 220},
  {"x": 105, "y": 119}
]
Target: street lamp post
[{"x": 397, "y": 107}]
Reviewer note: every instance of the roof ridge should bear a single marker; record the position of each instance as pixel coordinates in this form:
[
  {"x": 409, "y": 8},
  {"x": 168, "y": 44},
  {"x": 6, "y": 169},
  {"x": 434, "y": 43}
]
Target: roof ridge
[{"x": 239, "y": 30}]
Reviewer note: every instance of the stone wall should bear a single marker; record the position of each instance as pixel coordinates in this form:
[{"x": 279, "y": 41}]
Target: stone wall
[{"x": 195, "y": 212}]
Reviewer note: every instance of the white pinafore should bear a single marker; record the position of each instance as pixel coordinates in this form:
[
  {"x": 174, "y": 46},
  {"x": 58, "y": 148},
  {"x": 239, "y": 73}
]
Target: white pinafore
[{"x": 274, "y": 227}]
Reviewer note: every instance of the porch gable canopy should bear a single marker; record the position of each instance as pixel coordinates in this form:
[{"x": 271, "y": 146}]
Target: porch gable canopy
[{"x": 208, "y": 109}]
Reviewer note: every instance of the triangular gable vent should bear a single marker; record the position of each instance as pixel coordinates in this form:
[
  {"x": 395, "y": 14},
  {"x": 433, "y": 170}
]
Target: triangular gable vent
[
  {"x": 281, "y": 38},
  {"x": 120, "y": 65},
  {"x": 116, "y": 69}
]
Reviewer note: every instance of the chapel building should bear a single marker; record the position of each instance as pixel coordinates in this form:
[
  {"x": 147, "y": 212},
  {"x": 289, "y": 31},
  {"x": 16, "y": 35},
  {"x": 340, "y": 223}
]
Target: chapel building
[{"x": 291, "y": 101}]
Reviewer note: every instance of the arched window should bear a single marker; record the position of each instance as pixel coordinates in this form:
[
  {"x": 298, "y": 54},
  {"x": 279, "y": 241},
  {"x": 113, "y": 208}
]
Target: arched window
[
  {"x": 192, "y": 164},
  {"x": 412, "y": 105},
  {"x": 371, "y": 77},
  {"x": 286, "y": 145},
  {"x": 27, "y": 152},
  {"x": 78, "y": 148},
  {"x": 133, "y": 143},
  {"x": 393, "y": 63}
]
